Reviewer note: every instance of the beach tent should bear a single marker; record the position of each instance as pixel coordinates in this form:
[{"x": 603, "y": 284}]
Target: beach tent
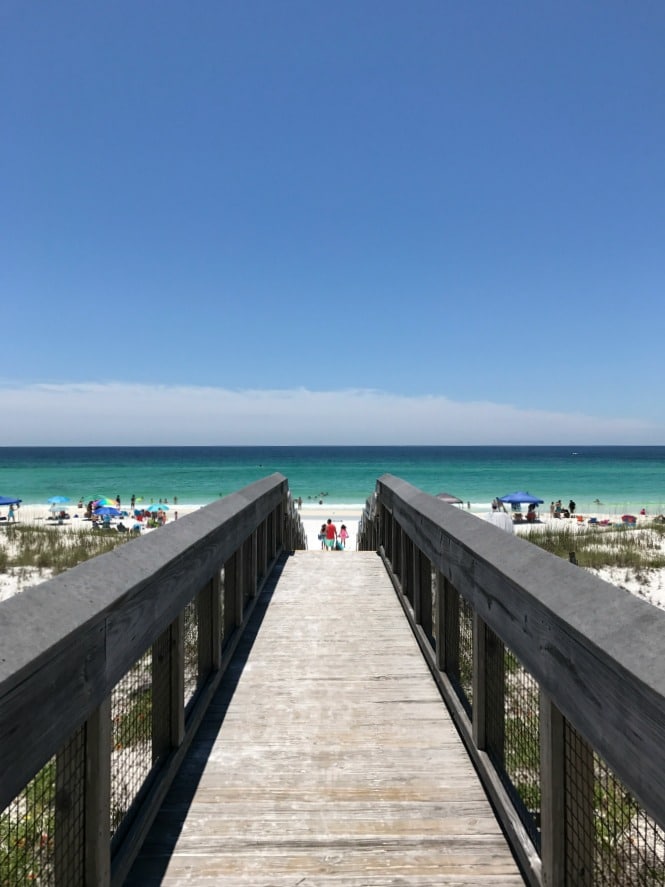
[
  {"x": 520, "y": 498},
  {"x": 9, "y": 500}
]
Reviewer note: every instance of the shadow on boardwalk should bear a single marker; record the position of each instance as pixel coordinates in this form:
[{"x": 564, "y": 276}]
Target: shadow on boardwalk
[{"x": 327, "y": 756}]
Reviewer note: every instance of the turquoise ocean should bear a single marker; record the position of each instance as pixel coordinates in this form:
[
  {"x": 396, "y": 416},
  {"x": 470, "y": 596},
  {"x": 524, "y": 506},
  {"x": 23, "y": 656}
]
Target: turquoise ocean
[{"x": 621, "y": 478}]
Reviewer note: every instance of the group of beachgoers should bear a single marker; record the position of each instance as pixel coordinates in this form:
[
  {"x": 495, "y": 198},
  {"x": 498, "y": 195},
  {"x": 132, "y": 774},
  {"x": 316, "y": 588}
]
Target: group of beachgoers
[
  {"x": 330, "y": 539},
  {"x": 558, "y": 510}
]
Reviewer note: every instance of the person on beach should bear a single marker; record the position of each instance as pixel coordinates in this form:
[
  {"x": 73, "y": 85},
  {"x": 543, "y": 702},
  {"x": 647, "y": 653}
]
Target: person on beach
[
  {"x": 571, "y": 507},
  {"x": 132, "y": 501},
  {"x": 11, "y": 514},
  {"x": 322, "y": 536},
  {"x": 331, "y": 534},
  {"x": 343, "y": 535}
]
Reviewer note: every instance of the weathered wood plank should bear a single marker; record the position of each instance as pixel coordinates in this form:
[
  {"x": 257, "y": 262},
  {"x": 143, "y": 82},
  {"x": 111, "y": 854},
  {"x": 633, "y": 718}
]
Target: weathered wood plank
[
  {"x": 68, "y": 641},
  {"x": 575, "y": 633},
  {"x": 331, "y": 759}
]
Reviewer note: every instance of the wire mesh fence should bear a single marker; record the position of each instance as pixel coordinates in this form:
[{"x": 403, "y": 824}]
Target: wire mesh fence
[
  {"x": 513, "y": 703},
  {"x": 191, "y": 651},
  {"x": 466, "y": 653},
  {"x": 42, "y": 830},
  {"x": 131, "y": 724},
  {"x": 611, "y": 839},
  {"x": 71, "y": 819}
]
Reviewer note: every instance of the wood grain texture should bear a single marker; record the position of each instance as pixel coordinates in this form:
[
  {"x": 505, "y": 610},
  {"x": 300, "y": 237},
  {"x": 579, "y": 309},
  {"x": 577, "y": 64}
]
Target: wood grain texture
[
  {"x": 595, "y": 649},
  {"x": 330, "y": 758},
  {"x": 65, "y": 643}
]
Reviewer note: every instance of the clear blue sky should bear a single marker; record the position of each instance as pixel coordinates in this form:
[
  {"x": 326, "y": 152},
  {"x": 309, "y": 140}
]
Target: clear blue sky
[{"x": 360, "y": 221}]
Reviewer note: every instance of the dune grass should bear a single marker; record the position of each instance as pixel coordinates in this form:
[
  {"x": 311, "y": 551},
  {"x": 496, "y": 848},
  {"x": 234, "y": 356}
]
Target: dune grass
[
  {"x": 46, "y": 548},
  {"x": 597, "y": 547}
]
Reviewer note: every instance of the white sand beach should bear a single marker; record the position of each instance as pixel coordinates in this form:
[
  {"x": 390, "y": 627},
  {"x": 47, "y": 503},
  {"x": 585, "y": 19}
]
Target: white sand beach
[{"x": 648, "y": 584}]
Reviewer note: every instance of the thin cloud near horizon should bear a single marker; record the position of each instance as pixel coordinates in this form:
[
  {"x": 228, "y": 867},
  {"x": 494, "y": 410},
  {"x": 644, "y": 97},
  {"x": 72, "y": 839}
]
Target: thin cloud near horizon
[{"x": 87, "y": 414}]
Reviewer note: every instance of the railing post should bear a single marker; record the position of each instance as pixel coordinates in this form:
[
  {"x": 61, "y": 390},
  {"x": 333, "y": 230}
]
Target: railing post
[
  {"x": 396, "y": 547},
  {"x": 279, "y": 514},
  {"x": 404, "y": 578},
  {"x": 81, "y": 846},
  {"x": 206, "y": 644},
  {"x": 216, "y": 624},
  {"x": 272, "y": 535},
  {"x": 386, "y": 533},
  {"x": 168, "y": 689},
  {"x": 98, "y": 741},
  {"x": 440, "y": 620},
  {"x": 422, "y": 571},
  {"x": 253, "y": 564},
  {"x": 552, "y": 793},
  {"x": 579, "y": 808},
  {"x": 489, "y": 688}
]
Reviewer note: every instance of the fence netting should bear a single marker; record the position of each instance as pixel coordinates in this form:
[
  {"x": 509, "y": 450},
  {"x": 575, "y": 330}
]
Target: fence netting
[
  {"x": 131, "y": 723},
  {"x": 464, "y": 676},
  {"x": 36, "y": 847},
  {"x": 513, "y": 732},
  {"x": 191, "y": 651},
  {"x": 611, "y": 839}
]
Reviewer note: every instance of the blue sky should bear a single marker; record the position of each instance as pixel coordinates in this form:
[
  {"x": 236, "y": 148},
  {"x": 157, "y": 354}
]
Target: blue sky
[{"x": 312, "y": 222}]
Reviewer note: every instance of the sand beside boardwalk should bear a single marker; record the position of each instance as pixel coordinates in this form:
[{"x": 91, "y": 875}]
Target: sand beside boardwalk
[{"x": 650, "y": 585}]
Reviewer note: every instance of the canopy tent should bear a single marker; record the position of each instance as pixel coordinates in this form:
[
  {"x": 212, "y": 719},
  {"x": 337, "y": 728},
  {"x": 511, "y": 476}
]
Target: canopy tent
[
  {"x": 9, "y": 500},
  {"x": 520, "y": 498}
]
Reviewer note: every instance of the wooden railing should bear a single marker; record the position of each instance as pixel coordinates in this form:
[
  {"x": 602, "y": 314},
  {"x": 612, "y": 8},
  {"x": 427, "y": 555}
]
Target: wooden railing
[
  {"x": 556, "y": 681},
  {"x": 105, "y": 674}
]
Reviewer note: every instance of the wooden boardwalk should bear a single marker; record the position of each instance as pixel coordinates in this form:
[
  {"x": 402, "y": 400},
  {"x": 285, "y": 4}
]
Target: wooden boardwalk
[{"x": 328, "y": 756}]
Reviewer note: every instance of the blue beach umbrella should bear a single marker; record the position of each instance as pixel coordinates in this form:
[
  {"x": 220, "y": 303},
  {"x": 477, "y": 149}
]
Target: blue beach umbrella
[
  {"x": 157, "y": 508},
  {"x": 107, "y": 511},
  {"x": 57, "y": 500},
  {"x": 9, "y": 500},
  {"x": 520, "y": 498}
]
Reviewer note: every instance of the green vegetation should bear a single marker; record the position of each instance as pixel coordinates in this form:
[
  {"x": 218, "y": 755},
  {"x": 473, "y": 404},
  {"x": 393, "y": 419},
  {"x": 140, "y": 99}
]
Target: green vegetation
[
  {"x": 27, "y": 825},
  {"x": 599, "y": 547},
  {"x": 27, "y": 832},
  {"x": 48, "y": 548}
]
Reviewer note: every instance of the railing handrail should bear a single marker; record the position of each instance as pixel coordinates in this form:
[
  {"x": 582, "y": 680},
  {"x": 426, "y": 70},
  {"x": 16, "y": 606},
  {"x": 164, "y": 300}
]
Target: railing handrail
[
  {"x": 595, "y": 649},
  {"x": 67, "y": 641}
]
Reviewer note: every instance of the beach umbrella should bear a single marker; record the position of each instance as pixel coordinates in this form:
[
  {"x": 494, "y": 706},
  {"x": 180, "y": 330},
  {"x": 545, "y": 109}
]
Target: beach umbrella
[
  {"x": 107, "y": 511},
  {"x": 9, "y": 500},
  {"x": 520, "y": 498},
  {"x": 449, "y": 498},
  {"x": 157, "y": 508},
  {"x": 99, "y": 503},
  {"x": 57, "y": 500}
]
